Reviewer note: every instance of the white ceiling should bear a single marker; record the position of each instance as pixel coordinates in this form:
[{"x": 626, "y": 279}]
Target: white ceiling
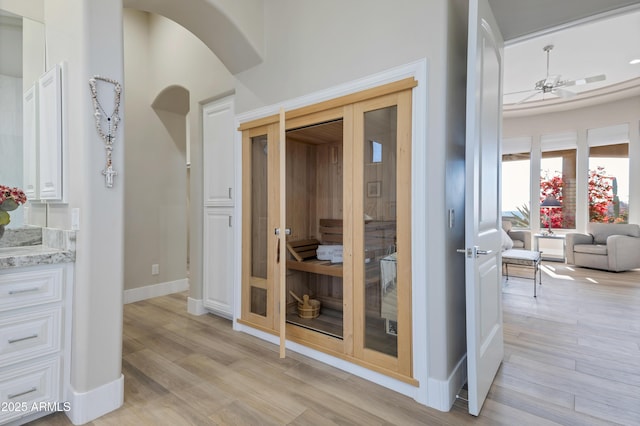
[
  {"x": 518, "y": 18},
  {"x": 604, "y": 45}
]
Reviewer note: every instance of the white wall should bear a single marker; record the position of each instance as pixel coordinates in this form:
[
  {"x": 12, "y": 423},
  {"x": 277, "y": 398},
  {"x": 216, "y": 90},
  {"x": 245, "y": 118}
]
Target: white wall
[
  {"x": 11, "y": 107},
  {"x": 155, "y": 200},
  {"x": 21, "y": 63},
  {"x": 32, "y": 9},
  {"x": 11, "y": 137},
  {"x": 580, "y": 120},
  {"x": 158, "y": 54},
  {"x": 11, "y": 46},
  {"x": 33, "y": 52},
  {"x": 314, "y": 45},
  {"x": 88, "y": 37}
]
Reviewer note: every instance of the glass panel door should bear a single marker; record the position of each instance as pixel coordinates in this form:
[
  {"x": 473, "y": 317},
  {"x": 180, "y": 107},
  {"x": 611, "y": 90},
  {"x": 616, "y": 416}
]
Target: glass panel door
[
  {"x": 259, "y": 243},
  {"x": 314, "y": 206},
  {"x": 379, "y": 221},
  {"x": 259, "y": 216},
  {"x": 382, "y": 223}
]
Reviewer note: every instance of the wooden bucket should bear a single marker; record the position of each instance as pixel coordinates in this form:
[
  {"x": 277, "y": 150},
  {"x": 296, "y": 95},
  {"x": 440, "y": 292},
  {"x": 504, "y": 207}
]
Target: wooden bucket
[{"x": 309, "y": 310}]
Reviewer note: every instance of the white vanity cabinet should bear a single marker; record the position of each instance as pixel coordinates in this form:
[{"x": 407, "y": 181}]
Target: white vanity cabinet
[
  {"x": 35, "y": 334},
  {"x": 218, "y": 131}
]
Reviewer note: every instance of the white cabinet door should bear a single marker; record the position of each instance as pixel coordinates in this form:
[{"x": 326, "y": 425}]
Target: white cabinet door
[
  {"x": 30, "y": 141},
  {"x": 50, "y": 130},
  {"x": 218, "y": 261},
  {"x": 218, "y": 139}
]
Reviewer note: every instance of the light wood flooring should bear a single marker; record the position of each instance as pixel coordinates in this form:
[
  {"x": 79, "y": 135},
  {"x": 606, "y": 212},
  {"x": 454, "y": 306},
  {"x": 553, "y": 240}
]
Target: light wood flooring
[{"x": 572, "y": 357}]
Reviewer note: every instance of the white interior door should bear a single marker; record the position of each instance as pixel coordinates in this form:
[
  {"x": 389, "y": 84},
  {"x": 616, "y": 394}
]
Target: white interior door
[{"x": 482, "y": 216}]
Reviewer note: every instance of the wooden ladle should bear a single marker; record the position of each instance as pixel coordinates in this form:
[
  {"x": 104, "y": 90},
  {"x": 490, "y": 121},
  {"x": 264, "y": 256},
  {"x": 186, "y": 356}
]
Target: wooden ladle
[{"x": 295, "y": 296}]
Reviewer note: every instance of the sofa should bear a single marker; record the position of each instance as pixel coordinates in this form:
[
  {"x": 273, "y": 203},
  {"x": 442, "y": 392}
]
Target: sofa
[
  {"x": 515, "y": 239},
  {"x": 607, "y": 246}
]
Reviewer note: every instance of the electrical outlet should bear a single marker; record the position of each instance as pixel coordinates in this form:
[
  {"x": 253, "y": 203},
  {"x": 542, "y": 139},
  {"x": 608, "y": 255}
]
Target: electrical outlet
[{"x": 155, "y": 269}]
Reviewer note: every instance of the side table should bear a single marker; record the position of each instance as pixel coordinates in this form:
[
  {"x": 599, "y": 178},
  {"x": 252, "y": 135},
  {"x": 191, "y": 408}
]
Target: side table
[{"x": 536, "y": 244}]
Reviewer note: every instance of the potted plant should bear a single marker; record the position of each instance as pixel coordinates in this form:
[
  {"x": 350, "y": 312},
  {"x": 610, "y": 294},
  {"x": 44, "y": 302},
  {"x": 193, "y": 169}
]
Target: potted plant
[{"x": 10, "y": 199}]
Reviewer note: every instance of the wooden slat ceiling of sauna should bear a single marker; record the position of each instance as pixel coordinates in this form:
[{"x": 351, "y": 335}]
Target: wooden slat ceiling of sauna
[{"x": 330, "y": 132}]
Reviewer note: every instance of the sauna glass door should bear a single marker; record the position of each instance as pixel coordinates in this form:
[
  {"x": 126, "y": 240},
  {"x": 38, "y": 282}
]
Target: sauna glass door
[
  {"x": 382, "y": 183},
  {"x": 260, "y": 209},
  {"x": 315, "y": 177}
]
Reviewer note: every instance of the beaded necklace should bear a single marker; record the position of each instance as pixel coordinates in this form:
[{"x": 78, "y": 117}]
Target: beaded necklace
[{"x": 108, "y": 135}]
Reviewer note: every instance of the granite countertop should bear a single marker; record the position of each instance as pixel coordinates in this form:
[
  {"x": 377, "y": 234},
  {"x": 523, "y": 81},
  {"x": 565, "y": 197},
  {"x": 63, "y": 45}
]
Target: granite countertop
[
  {"x": 12, "y": 257},
  {"x": 37, "y": 246}
]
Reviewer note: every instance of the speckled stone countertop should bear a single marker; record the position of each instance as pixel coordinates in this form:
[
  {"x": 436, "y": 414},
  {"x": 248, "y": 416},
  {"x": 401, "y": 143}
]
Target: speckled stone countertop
[{"x": 31, "y": 246}]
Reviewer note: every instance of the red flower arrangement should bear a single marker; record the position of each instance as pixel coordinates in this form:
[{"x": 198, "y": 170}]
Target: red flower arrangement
[{"x": 10, "y": 199}]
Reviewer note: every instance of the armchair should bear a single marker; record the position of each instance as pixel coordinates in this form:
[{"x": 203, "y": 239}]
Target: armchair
[
  {"x": 607, "y": 246},
  {"x": 521, "y": 238}
]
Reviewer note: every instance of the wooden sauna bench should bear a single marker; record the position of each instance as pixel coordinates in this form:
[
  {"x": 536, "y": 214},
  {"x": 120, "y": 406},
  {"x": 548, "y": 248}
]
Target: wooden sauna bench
[
  {"x": 379, "y": 235},
  {"x": 304, "y": 259}
]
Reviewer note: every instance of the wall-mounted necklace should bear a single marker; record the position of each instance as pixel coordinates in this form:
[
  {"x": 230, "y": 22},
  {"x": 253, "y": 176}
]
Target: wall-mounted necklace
[{"x": 106, "y": 124}]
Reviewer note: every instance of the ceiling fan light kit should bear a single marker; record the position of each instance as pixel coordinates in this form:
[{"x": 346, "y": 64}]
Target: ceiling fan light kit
[{"x": 554, "y": 85}]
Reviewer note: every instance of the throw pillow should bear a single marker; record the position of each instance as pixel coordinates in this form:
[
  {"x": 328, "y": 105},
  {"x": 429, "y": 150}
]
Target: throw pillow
[{"x": 507, "y": 242}]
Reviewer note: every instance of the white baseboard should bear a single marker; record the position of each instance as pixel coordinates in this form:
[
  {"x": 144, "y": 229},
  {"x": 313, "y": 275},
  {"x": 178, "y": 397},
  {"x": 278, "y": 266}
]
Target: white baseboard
[
  {"x": 155, "y": 290},
  {"x": 375, "y": 377},
  {"x": 88, "y": 406},
  {"x": 441, "y": 394},
  {"x": 195, "y": 306}
]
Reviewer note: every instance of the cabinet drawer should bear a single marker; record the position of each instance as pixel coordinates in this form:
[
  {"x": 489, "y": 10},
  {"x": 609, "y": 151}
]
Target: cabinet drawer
[
  {"x": 28, "y": 288},
  {"x": 29, "y": 333},
  {"x": 31, "y": 383}
]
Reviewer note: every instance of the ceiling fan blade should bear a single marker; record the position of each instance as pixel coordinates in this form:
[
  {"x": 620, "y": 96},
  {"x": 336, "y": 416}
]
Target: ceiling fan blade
[
  {"x": 527, "y": 98},
  {"x": 563, "y": 93},
  {"x": 520, "y": 91},
  {"x": 586, "y": 80}
]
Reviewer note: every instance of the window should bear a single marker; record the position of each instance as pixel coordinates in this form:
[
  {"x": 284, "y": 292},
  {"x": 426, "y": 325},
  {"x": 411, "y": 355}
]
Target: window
[
  {"x": 608, "y": 183},
  {"x": 558, "y": 189},
  {"x": 516, "y": 184},
  {"x": 376, "y": 152},
  {"x": 595, "y": 174}
]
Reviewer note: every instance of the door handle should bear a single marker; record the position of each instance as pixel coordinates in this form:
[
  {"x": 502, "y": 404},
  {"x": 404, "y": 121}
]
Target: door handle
[
  {"x": 287, "y": 231},
  {"x": 474, "y": 252}
]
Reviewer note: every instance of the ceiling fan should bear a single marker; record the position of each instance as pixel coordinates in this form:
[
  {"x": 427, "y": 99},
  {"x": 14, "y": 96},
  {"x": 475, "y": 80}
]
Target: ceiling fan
[{"x": 552, "y": 83}]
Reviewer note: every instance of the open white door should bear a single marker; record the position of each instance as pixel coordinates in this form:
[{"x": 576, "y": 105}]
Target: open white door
[{"x": 482, "y": 216}]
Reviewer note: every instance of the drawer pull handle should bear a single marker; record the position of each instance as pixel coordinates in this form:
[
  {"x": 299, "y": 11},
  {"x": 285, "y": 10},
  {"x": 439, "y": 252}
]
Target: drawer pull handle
[
  {"x": 26, "y": 290},
  {"x": 15, "y": 395},
  {"x": 20, "y": 339}
]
